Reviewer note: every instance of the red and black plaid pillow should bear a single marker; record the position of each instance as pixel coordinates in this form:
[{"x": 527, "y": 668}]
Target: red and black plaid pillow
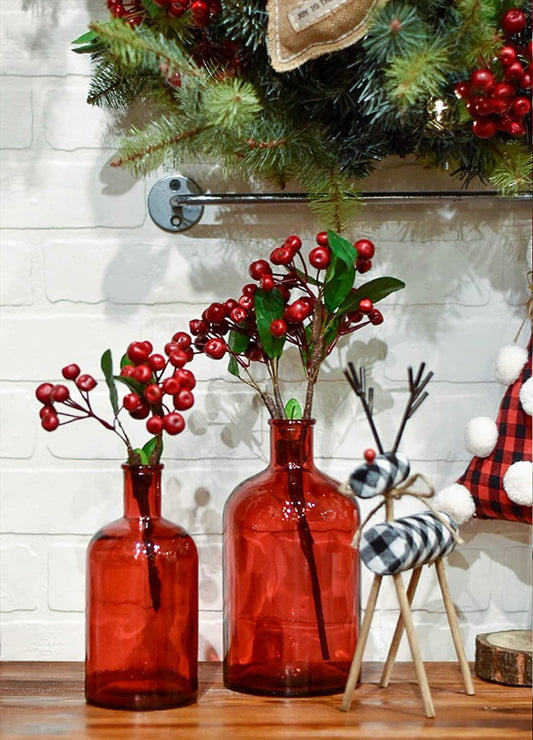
[{"x": 484, "y": 475}]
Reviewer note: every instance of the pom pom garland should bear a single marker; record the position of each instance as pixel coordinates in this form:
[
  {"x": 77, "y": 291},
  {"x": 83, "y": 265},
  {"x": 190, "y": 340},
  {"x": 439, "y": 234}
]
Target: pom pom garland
[
  {"x": 526, "y": 396},
  {"x": 480, "y": 436},
  {"x": 518, "y": 484},
  {"x": 456, "y": 501},
  {"x": 509, "y": 363}
]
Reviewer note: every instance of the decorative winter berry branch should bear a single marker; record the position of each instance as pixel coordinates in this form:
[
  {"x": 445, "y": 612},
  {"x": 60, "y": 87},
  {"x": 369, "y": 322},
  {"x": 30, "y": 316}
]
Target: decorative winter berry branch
[
  {"x": 152, "y": 396},
  {"x": 309, "y": 304}
]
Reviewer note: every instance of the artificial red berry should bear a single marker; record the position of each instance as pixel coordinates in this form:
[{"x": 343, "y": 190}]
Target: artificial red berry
[
  {"x": 369, "y": 454},
  {"x": 182, "y": 339},
  {"x": 183, "y": 400},
  {"x": 500, "y": 105},
  {"x": 525, "y": 81},
  {"x": 198, "y": 327},
  {"x": 507, "y": 55},
  {"x": 516, "y": 128},
  {"x": 59, "y": 393},
  {"x": 320, "y": 257},
  {"x": 155, "y": 425},
  {"x": 42, "y": 393},
  {"x": 238, "y": 314},
  {"x": 178, "y": 358},
  {"x": 366, "y": 306},
  {"x": 503, "y": 90},
  {"x": 266, "y": 282},
  {"x": 126, "y": 371},
  {"x": 520, "y": 106},
  {"x": 322, "y": 239},
  {"x": 142, "y": 410},
  {"x": 199, "y": 9},
  {"x": 71, "y": 372},
  {"x": 281, "y": 256},
  {"x": 296, "y": 312},
  {"x": 173, "y": 423},
  {"x": 294, "y": 243},
  {"x": 216, "y": 313},
  {"x": 513, "y": 21},
  {"x": 142, "y": 373},
  {"x": 46, "y": 410},
  {"x": 254, "y": 352},
  {"x": 153, "y": 393},
  {"x": 482, "y": 80},
  {"x": 278, "y": 328},
  {"x": 229, "y": 305},
  {"x": 246, "y": 301},
  {"x": 484, "y": 107},
  {"x": 376, "y": 317},
  {"x": 365, "y": 248},
  {"x": 514, "y": 71},
  {"x": 249, "y": 289},
  {"x": 156, "y": 362},
  {"x": 86, "y": 382},
  {"x": 259, "y": 268},
  {"x": 363, "y": 266},
  {"x": 170, "y": 386},
  {"x": 354, "y": 317},
  {"x": 215, "y": 348},
  {"x": 131, "y": 401},
  {"x": 462, "y": 90},
  {"x": 485, "y": 128},
  {"x": 50, "y": 421},
  {"x": 185, "y": 378},
  {"x": 139, "y": 352}
]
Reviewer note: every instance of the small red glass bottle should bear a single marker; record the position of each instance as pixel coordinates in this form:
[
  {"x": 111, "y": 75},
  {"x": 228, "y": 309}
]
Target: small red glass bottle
[
  {"x": 142, "y": 605},
  {"x": 291, "y": 575}
]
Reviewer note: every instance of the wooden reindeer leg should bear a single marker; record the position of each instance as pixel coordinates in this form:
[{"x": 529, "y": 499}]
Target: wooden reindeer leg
[
  {"x": 413, "y": 644},
  {"x": 454, "y": 627},
  {"x": 357, "y": 660},
  {"x": 398, "y": 632}
]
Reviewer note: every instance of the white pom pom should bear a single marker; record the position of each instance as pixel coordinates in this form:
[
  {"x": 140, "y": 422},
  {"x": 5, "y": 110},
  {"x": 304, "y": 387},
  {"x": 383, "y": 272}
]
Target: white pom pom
[
  {"x": 455, "y": 500},
  {"x": 517, "y": 482},
  {"x": 509, "y": 363},
  {"x": 480, "y": 436},
  {"x": 526, "y": 396}
]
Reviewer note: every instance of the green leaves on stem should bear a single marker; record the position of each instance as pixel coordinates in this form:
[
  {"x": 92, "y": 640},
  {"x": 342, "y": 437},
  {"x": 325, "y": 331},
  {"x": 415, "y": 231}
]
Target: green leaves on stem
[{"x": 269, "y": 306}]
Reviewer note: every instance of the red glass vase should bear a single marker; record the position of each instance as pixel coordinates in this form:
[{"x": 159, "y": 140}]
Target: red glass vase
[
  {"x": 142, "y": 605},
  {"x": 291, "y": 575}
]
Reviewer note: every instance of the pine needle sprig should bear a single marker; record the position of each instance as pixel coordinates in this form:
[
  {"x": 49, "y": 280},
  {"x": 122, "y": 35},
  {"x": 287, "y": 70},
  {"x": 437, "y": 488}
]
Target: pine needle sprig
[
  {"x": 230, "y": 103},
  {"x": 511, "y": 173},
  {"x": 422, "y": 74},
  {"x": 394, "y": 29}
]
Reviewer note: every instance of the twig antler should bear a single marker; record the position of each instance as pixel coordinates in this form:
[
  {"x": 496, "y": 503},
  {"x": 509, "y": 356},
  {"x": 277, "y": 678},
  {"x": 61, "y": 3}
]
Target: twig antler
[
  {"x": 358, "y": 384},
  {"x": 416, "y": 398}
]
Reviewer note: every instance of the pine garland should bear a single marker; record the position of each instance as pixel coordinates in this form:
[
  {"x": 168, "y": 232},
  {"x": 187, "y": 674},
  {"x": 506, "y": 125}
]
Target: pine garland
[{"x": 325, "y": 125}]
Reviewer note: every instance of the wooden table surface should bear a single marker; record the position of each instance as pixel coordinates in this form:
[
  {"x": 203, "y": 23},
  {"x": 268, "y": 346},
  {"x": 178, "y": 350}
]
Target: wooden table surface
[{"x": 45, "y": 700}]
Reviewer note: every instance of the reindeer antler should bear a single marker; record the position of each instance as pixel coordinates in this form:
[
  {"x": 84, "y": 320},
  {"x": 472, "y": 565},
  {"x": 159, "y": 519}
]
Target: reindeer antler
[
  {"x": 415, "y": 400},
  {"x": 359, "y": 387}
]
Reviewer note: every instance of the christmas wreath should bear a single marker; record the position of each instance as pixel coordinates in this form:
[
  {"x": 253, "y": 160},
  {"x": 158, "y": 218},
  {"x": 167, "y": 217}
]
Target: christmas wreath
[{"x": 319, "y": 92}]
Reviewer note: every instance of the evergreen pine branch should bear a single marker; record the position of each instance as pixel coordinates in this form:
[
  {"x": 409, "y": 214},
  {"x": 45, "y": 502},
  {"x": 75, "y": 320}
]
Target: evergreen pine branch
[
  {"x": 333, "y": 199},
  {"x": 394, "y": 29},
  {"x": 511, "y": 173},
  {"x": 143, "y": 50},
  {"x": 230, "y": 103},
  {"x": 419, "y": 75}
]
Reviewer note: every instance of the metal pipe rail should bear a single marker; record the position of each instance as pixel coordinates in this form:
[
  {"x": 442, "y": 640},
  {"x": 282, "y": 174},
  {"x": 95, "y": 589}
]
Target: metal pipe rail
[{"x": 176, "y": 203}]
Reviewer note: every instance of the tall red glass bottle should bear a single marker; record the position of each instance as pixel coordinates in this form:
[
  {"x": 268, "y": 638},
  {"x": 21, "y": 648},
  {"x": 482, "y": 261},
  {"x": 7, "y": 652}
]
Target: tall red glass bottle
[
  {"x": 291, "y": 575},
  {"x": 142, "y": 605}
]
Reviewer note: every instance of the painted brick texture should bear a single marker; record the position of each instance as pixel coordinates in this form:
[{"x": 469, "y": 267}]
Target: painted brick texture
[{"x": 83, "y": 268}]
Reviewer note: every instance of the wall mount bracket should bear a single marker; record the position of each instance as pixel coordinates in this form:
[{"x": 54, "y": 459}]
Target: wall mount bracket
[{"x": 175, "y": 203}]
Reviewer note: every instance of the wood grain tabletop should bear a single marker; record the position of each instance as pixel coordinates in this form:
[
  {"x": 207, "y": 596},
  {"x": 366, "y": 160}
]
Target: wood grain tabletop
[{"x": 45, "y": 700}]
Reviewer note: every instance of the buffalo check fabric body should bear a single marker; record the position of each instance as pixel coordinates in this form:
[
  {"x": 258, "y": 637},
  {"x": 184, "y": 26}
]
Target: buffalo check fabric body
[
  {"x": 484, "y": 475},
  {"x": 391, "y": 547},
  {"x": 383, "y": 473}
]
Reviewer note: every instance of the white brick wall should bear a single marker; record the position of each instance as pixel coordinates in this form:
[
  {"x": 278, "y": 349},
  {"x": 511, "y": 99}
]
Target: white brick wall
[{"x": 83, "y": 268}]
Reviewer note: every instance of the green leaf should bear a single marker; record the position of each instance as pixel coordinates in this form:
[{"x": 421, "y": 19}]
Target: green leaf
[
  {"x": 149, "y": 447},
  {"x": 233, "y": 367},
  {"x": 125, "y": 360},
  {"x": 340, "y": 273},
  {"x": 132, "y": 384},
  {"x": 293, "y": 410},
  {"x": 142, "y": 454},
  {"x": 269, "y": 305},
  {"x": 376, "y": 290},
  {"x": 106, "y": 363},
  {"x": 86, "y": 38},
  {"x": 88, "y": 43},
  {"x": 153, "y": 10},
  {"x": 238, "y": 342}
]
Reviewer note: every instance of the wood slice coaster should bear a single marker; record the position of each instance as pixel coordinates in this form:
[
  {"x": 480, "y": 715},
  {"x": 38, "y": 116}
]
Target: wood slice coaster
[{"x": 504, "y": 657}]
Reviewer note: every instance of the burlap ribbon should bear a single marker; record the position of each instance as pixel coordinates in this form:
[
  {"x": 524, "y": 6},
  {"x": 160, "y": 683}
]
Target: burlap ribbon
[{"x": 299, "y": 30}]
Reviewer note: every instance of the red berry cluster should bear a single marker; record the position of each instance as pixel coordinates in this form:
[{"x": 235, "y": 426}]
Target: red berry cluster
[
  {"x": 299, "y": 291},
  {"x": 153, "y": 397},
  {"x": 203, "y": 12},
  {"x": 496, "y": 98}
]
